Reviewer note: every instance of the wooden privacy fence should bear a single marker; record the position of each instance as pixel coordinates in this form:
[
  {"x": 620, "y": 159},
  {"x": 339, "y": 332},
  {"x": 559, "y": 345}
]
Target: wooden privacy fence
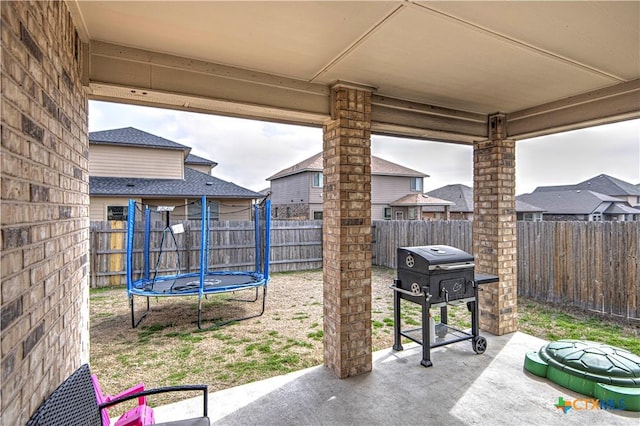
[
  {"x": 295, "y": 245},
  {"x": 388, "y": 235},
  {"x": 589, "y": 265}
]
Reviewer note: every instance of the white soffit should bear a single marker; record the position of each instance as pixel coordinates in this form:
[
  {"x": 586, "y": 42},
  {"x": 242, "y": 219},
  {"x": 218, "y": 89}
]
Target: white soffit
[{"x": 525, "y": 59}]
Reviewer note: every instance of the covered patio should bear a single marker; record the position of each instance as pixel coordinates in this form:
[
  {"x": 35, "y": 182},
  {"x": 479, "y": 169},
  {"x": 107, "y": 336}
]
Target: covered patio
[
  {"x": 483, "y": 74},
  {"x": 461, "y": 388}
]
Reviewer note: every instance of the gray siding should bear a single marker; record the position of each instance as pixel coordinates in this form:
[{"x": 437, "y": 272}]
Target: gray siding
[
  {"x": 294, "y": 188},
  {"x": 315, "y": 194},
  {"x": 385, "y": 189}
]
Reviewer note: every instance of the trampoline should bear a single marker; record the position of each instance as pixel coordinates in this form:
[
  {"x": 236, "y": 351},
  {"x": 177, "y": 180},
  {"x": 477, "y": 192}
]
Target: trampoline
[{"x": 165, "y": 258}]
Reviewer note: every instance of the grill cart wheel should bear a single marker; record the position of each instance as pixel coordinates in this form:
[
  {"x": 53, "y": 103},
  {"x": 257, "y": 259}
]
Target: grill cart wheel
[{"x": 479, "y": 344}]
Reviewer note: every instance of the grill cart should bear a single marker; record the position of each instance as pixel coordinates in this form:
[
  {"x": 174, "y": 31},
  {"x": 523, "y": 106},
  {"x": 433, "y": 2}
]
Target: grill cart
[{"x": 437, "y": 277}]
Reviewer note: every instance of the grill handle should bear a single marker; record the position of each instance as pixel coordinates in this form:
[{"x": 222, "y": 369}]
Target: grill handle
[
  {"x": 454, "y": 267},
  {"x": 410, "y": 293}
]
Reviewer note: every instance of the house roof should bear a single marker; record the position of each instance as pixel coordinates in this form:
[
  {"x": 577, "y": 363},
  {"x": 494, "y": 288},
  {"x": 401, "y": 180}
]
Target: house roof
[
  {"x": 194, "y": 159},
  {"x": 460, "y": 195},
  {"x": 522, "y": 207},
  {"x": 418, "y": 199},
  {"x": 619, "y": 208},
  {"x": 131, "y": 136},
  {"x": 568, "y": 201},
  {"x": 603, "y": 184},
  {"x": 606, "y": 184},
  {"x": 379, "y": 167},
  {"x": 194, "y": 184}
]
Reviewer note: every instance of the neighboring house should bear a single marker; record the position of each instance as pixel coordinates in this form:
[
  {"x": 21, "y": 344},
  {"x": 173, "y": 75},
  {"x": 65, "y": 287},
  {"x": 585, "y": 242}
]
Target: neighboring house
[
  {"x": 528, "y": 212},
  {"x": 460, "y": 195},
  {"x": 604, "y": 184},
  {"x": 128, "y": 164},
  {"x": 582, "y": 205},
  {"x": 200, "y": 164},
  {"x": 296, "y": 192},
  {"x": 462, "y": 209},
  {"x": 410, "y": 206}
]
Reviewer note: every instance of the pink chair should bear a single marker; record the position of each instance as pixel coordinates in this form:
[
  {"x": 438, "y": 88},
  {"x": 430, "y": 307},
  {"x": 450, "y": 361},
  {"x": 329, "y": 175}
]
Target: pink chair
[{"x": 138, "y": 416}]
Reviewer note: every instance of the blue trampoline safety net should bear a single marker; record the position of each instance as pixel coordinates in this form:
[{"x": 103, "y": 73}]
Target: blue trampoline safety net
[{"x": 183, "y": 249}]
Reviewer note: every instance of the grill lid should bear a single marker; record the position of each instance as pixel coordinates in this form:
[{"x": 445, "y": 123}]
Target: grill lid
[{"x": 435, "y": 255}]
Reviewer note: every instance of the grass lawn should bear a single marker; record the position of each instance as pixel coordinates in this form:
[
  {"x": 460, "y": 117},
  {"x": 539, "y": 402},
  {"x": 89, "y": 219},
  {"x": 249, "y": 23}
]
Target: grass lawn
[{"x": 167, "y": 348}]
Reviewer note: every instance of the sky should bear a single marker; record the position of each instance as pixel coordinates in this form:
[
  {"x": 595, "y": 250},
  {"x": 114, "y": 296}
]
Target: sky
[{"x": 249, "y": 151}]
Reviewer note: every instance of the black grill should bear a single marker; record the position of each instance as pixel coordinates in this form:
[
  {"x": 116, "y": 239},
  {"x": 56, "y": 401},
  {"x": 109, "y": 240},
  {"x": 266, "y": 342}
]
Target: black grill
[{"x": 437, "y": 276}]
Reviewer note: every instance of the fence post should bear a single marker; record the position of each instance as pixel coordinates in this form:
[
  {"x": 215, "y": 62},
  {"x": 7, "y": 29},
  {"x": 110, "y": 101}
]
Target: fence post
[{"x": 116, "y": 241}]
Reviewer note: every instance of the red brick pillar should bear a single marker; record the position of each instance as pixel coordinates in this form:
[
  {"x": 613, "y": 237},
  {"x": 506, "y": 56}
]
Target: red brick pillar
[
  {"x": 347, "y": 233},
  {"x": 494, "y": 227}
]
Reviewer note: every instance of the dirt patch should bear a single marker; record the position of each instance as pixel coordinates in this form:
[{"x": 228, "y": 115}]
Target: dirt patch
[{"x": 167, "y": 348}]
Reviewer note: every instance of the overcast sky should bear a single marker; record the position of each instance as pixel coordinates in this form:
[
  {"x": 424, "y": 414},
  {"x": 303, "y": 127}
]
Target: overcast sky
[{"x": 249, "y": 151}]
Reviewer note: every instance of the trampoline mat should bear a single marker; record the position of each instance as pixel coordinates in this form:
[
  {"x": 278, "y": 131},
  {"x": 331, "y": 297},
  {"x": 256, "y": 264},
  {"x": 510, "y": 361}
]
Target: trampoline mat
[{"x": 223, "y": 282}]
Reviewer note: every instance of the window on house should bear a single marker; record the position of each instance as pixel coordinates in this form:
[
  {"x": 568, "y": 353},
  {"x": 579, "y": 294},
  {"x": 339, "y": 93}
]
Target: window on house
[
  {"x": 399, "y": 215},
  {"x": 317, "y": 180},
  {"x": 596, "y": 217},
  {"x": 288, "y": 212},
  {"x": 317, "y": 215},
  {"x": 275, "y": 212},
  {"x": 532, "y": 217},
  {"x": 412, "y": 213},
  {"x": 387, "y": 213},
  {"x": 195, "y": 210},
  {"x": 416, "y": 184},
  {"x": 117, "y": 212}
]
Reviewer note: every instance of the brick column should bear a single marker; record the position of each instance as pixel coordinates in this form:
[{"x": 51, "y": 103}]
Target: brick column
[
  {"x": 494, "y": 227},
  {"x": 44, "y": 230},
  {"x": 347, "y": 233}
]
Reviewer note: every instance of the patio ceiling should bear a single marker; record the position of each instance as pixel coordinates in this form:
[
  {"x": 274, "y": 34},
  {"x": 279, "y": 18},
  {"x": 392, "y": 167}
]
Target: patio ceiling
[{"x": 437, "y": 69}]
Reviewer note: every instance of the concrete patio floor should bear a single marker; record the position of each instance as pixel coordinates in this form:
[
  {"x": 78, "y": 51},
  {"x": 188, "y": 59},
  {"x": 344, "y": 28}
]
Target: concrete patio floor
[{"x": 461, "y": 388}]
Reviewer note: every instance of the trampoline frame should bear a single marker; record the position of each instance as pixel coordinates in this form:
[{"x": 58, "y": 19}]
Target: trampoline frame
[{"x": 255, "y": 279}]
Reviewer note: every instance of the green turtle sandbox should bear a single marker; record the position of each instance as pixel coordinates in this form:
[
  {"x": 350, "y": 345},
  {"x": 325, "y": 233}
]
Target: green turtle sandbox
[{"x": 605, "y": 372}]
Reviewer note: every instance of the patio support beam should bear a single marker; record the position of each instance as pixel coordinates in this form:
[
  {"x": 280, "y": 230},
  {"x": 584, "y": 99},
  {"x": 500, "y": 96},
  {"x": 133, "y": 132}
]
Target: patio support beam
[
  {"x": 494, "y": 227},
  {"x": 603, "y": 106},
  {"x": 347, "y": 232},
  {"x": 124, "y": 74}
]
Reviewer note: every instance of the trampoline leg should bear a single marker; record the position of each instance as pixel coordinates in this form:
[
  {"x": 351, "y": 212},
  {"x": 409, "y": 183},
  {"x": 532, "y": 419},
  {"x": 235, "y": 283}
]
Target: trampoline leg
[
  {"x": 247, "y": 300},
  {"x": 135, "y": 323},
  {"x": 220, "y": 324}
]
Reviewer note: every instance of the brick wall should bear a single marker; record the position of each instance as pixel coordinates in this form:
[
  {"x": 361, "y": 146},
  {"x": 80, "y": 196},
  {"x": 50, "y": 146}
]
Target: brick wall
[
  {"x": 494, "y": 227},
  {"x": 295, "y": 211},
  {"x": 44, "y": 229},
  {"x": 347, "y": 234}
]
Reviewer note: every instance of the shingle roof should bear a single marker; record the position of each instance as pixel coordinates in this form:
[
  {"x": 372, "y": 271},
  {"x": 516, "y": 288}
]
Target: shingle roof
[
  {"x": 603, "y": 184},
  {"x": 522, "y": 207},
  {"x": 418, "y": 199},
  {"x": 194, "y": 159},
  {"x": 194, "y": 184},
  {"x": 378, "y": 167},
  {"x": 609, "y": 185},
  {"x": 567, "y": 202},
  {"x": 460, "y": 195},
  {"x": 131, "y": 136},
  {"x": 619, "y": 208}
]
